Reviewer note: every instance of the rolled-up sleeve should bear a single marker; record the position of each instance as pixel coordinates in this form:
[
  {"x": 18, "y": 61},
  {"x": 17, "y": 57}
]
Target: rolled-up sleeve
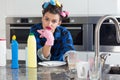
[{"x": 41, "y": 56}]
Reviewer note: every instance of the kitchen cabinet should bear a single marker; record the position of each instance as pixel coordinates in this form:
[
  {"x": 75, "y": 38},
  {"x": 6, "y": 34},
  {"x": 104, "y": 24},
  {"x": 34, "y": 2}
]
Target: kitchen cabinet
[
  {"x": 24, "y": 7},
  {"x": 102, "y": 7},
  {"x": 75, "y": 7},
  {"x": 34, "y": 8}
]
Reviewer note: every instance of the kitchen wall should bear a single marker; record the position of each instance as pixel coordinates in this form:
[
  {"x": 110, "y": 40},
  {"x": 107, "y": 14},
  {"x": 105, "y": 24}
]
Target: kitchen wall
[
  {"x": 3, "y": 9},
  {"x": 75, "y": 7}
]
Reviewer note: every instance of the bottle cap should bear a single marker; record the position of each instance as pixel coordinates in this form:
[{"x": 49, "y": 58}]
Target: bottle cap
[
  {"x": 13, "y": 37},
  {"x": 31, "y": 34}
]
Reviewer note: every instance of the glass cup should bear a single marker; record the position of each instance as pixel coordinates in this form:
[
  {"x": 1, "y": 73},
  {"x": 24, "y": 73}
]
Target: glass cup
[
  {"x": 82, "y": 70},
  {"x": 71, "y": 59},
  {"x": 83, "y": 60},
  {"x": 94, "y": 70},
  {"x": 94, "y": 74},
  {"x": 74, "y": 57}
]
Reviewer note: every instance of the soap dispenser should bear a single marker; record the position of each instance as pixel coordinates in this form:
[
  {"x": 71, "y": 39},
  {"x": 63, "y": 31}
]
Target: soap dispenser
[{"x": 14, "y": 49}]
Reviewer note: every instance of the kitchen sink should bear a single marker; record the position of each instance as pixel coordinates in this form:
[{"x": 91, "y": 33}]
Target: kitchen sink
[
  {"x": 111, "y": 72},
  {"x": 110, "y": 69},
  {"x": 114, "y": 70}
]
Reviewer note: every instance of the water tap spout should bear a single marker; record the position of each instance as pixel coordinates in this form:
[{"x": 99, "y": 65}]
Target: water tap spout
[{"x": 97, "y": 36}]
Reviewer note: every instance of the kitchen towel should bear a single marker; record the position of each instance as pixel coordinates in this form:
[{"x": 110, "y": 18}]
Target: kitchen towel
[{"x": 2, "y": 52}]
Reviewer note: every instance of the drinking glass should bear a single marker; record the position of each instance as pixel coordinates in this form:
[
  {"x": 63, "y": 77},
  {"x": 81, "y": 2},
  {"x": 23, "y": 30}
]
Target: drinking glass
[
  {"x": 94, "y": 72},
  {"x": 71, "y": 59}
]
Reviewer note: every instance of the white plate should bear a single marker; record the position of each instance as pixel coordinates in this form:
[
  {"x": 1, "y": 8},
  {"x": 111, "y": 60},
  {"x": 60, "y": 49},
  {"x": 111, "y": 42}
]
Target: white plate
[{"x": 52, "y": 63}]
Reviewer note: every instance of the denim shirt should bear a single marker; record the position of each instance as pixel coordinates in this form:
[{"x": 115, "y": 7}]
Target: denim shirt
[{"x": 63, "y": 41}]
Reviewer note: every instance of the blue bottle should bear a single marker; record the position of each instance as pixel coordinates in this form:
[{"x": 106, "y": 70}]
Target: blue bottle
[{"x": 14, "y": 49}]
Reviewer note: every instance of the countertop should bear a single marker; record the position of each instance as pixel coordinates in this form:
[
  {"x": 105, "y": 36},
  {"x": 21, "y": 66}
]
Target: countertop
[
  {"x": 43, "y": 73},
  {"x": 39, "y": 73}
]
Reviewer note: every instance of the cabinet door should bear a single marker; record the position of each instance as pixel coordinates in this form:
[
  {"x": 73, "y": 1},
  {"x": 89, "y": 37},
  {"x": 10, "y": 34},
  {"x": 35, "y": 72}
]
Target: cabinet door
[
  {"x": 34, "y": 7},
  {"x": 76, "y": 7},
  {"x": 102, "y": 7},
  {"x": 24, "y": 7}
]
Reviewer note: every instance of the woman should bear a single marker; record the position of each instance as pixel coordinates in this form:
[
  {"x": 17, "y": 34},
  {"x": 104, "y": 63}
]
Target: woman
[{"x": 53, "y": 40}]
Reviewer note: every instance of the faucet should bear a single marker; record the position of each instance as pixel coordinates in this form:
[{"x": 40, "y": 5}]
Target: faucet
[
  {"x": 103, "y": 58},
  {"x": 97, "y": 37}
]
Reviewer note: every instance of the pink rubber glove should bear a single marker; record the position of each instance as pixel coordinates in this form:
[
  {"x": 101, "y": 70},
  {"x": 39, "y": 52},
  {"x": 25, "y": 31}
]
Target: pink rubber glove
[{"x": 48, "y": 35}]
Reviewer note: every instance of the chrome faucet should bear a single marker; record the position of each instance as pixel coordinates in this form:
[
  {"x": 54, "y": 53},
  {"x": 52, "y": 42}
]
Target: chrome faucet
[
  {"x": 103, "y": 58},
  {"x": 97, "y": 36}
]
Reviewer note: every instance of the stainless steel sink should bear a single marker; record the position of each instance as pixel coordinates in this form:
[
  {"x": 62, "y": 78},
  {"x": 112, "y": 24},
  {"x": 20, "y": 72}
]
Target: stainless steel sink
[
  {"x": 114, "y": 70},
  {"x": 111, "y": 72}
]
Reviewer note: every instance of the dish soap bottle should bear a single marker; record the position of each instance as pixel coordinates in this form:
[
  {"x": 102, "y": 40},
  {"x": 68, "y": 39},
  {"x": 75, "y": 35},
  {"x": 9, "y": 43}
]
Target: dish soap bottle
[
  {"x": 14, "y": 49},
  {"x": 31, "y": 56}
]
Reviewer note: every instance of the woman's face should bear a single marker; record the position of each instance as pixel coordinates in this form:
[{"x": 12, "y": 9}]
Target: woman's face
[{"x": 50, "y": 21}]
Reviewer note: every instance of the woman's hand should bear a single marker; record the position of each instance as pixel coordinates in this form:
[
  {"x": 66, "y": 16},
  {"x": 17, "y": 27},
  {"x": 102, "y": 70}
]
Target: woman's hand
[{"x": 48, "y": 35}]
